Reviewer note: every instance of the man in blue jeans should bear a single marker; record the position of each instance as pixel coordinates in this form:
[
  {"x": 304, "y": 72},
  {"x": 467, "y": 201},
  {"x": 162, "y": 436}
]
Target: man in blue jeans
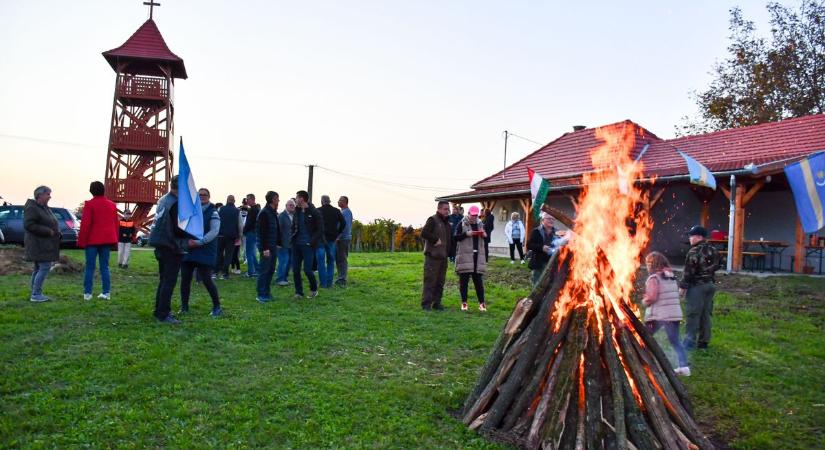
[
  {"x": 269, "y": 236},
  {"x": 307, "y": 235},
  {"x": 285, "y": 249},
  {"x": 334, "y": 224},
  {"x": 250, "y": 237}
]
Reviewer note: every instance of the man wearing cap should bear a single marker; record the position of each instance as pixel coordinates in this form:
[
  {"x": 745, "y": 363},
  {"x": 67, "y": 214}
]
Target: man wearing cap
[
  {"x": 701, "y": 263},
  {"x": 438, "y": 240}
]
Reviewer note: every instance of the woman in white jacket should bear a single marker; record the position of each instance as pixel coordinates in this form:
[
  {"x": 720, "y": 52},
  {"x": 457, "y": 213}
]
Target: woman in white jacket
[{"x": 514, "y": 232}]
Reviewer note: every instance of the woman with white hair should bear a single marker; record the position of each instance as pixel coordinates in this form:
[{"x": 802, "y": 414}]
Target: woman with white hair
[
  {"x": 514, "y": 232},
  {"x": 42, "y": 239}
]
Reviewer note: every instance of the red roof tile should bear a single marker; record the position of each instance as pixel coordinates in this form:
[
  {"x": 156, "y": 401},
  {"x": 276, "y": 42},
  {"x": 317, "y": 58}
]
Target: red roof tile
[
  {"x": 769, "y": 145},
  {"x": 732, "y": 149},
  {"x": 143, "y": 48},
  {"x": 567, "y": 156}
]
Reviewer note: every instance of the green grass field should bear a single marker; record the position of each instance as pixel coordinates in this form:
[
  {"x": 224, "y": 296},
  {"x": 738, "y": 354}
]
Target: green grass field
[{"x": 361, "y": 367}]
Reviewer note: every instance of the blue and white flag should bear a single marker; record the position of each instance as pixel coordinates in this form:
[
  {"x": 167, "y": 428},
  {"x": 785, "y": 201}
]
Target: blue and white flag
[
  {"x": 190, "y": 216},
  {"x": 699, "y": 174},
  {"x": 807, "y": 180}
]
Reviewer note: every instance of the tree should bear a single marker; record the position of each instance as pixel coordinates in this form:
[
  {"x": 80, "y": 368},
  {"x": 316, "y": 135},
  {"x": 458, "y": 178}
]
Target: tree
[{"x": 766, "y": 81}]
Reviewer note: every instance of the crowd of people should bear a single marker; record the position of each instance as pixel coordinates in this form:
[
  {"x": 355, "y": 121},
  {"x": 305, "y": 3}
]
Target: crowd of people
[
  {"x": 303, "y": 238},
  {"x": 299, "y": 238}
]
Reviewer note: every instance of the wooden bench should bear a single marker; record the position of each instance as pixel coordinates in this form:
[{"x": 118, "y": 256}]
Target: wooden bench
[{"x": 758, "y": 258}]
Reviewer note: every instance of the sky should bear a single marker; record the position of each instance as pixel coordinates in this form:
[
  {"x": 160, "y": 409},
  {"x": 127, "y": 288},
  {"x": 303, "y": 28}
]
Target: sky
[{"x": 394, "y": 102}]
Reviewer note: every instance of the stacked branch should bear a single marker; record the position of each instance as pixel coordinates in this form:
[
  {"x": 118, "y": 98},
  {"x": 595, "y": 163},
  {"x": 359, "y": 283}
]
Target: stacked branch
[{"x": 590, "y": 380}]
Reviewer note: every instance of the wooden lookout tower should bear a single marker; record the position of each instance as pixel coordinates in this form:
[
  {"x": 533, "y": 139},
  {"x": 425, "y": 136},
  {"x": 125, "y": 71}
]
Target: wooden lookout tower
[{"x": 140, "y": 158}]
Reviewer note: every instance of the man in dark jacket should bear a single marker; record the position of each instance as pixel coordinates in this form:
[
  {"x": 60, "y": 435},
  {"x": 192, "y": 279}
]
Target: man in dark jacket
[
  {"x": 489, "y": 224},
  {"x": 543, "y": 242},
  {"x": 334, "y": 224},
  {"x": 41, "y": 239},
  {"x": 170, "y": 244},
  {"x": 438, "y": 241},
  {"x": 701, "y": 264},
  {"x": 250, "y": 236},
  {"x": 307, "y": 235},
  {"x": 269, "y": 236},
  {"x": 229, "y": 233},
  {"x": 454, "y": 219}
]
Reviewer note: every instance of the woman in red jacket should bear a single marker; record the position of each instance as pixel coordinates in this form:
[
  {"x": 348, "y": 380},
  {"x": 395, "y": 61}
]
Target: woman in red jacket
[{"x": 98, "y": 233}]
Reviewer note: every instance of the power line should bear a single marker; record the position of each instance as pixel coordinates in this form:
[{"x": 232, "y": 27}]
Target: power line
[
  {"x": 252, "y": 161},
  {"x": 391, "y": 183},
  {"x": 524, "y": 138}
]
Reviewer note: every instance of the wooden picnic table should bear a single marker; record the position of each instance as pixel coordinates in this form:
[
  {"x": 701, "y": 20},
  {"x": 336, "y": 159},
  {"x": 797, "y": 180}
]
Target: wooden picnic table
[{"x": 767, "y": 248}]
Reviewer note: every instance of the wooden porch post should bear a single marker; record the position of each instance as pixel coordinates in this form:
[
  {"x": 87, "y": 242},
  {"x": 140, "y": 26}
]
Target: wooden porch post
[
  {"x": 742, "y": 200},
  {"x": 799, "y": 247},
  {"x": 528, "y": 219},
  {"x": 738, "y": 229}
]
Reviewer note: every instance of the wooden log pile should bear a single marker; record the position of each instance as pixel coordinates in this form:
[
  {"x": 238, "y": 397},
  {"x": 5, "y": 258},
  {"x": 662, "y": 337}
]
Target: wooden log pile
[{"x": 591, "y": 380}]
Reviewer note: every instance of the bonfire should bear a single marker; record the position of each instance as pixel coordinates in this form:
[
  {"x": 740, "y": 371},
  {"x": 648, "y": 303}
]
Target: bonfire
[{"x": 574, "y": 366}]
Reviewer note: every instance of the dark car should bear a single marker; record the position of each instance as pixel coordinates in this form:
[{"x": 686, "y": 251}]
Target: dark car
[{"x": 11, "y": 225}]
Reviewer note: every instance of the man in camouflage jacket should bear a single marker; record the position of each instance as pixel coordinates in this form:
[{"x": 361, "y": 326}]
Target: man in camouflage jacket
[{"x": 701, "y": 263}]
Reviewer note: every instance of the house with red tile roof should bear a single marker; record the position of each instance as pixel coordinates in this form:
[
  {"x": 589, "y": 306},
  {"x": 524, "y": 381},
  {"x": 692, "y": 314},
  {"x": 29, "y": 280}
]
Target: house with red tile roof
[{"x": 753, "y": 157}]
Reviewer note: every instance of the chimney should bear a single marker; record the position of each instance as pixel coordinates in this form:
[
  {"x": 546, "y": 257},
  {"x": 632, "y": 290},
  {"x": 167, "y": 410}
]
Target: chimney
[{"x": 578, "y": 127}]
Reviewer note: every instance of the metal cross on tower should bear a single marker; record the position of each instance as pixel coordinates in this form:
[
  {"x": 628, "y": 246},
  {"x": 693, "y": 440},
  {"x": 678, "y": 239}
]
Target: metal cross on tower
[{"x": 151, "y": 4}]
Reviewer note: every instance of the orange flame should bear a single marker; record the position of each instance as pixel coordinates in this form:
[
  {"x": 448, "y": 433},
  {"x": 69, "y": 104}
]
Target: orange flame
[{"x": 612, "y": 223}]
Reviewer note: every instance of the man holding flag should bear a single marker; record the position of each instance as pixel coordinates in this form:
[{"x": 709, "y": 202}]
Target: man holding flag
[{"x": 177, "y": 219}]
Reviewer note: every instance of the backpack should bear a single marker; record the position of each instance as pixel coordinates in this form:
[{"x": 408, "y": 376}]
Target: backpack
[{"x": 162, "y": 234}]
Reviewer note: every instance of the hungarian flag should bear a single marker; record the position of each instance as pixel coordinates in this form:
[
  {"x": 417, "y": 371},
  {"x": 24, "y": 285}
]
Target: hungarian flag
[{"x": 539, "y": 188}]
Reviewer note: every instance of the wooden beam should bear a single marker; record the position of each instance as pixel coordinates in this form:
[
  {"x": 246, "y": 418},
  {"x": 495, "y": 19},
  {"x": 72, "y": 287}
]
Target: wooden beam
[
  {"x": 655, "y": 198},
  {"x": 725, "y": 191},
  {"x": 752, "y": 191},
  {"x": 704, "y": 217},
  {"x": 738, "y": 229},
  {"x": 799, "y": 247},
  {"x": 558, "y": 215}
]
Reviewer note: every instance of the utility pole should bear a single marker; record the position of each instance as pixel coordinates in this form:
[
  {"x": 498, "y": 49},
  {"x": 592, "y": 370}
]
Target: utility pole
[
  {"x": 309, "y": 183},
  {"x": 506, "y": 135}
]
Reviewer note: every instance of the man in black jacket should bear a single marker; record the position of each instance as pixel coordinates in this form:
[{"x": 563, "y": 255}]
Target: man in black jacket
[
  {"x": 249, "y": 235},
  {"x": 333, "y": 227},
  {"x": 229, "y": 233},
  {"x": 170, "y": 245},
  {"x": 307, "y": 235},
  {"x": 438, "y": 241},
  {"x": 543, "y": 242},
  {"x": 269, "y": 237}
]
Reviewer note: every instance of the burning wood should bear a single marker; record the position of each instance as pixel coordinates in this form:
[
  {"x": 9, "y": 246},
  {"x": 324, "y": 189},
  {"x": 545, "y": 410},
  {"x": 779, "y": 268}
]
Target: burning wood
[{"x": 574, "y": 367}]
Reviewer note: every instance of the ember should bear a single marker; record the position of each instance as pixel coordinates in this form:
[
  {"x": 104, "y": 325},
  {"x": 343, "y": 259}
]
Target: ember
[{"x": 574, "y": 366}]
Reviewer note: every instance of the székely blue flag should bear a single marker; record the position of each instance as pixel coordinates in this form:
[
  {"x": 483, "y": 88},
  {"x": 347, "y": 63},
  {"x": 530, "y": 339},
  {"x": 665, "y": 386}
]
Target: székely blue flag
[
  {"x": 699, "y": 174},
  {"x": 190, "y": 216},
  {"x": 807, "y": 180}
]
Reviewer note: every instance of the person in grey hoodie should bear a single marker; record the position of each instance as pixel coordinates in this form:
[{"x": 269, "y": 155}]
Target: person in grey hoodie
[
  {"x": 41, "y": 239},
  {"x": 284, "y": 251}
]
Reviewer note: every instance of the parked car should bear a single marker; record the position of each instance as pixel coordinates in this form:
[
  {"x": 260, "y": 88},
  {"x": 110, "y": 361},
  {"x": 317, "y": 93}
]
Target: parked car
[
  {"x": 142, "y": 239},
  {"x": 11, "y": 225}
]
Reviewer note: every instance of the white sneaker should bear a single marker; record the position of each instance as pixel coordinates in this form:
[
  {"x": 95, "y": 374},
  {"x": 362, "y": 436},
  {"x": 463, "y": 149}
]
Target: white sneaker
[
  {"x": 512, "y": 262},
  {"x": 87, "y": 296},
  {"x": 104, "y": 296},
  {"x": 683, "y": 371},
  {"x": 522, "y": 261}
]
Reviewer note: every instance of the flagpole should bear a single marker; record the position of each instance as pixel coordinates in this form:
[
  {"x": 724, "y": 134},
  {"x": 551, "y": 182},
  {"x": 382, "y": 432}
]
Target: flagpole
[
  {"x": 731, "y": 222},
  {"x": 506, "y": 135}
]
